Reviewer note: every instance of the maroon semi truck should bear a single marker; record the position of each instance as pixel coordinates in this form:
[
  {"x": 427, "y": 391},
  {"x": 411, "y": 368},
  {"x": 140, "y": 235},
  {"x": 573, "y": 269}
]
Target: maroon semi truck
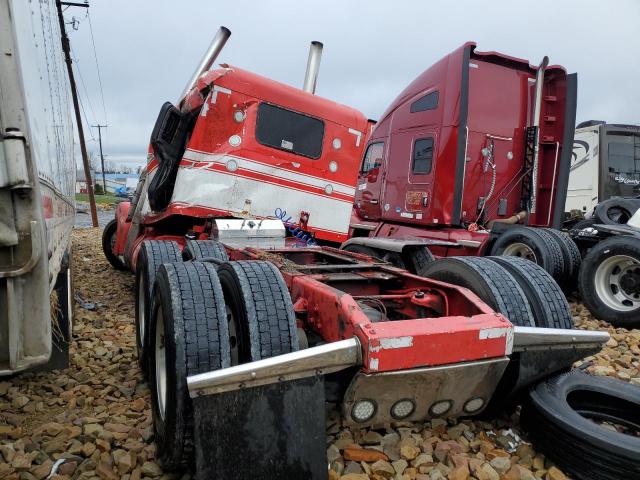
[{"x": 471, "y": 157}]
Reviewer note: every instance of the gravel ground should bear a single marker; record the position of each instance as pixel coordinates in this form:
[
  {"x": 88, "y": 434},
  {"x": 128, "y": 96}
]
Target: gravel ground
[
  {"x": 97, "y": 413},
  {"x": 83, "y": 215}
]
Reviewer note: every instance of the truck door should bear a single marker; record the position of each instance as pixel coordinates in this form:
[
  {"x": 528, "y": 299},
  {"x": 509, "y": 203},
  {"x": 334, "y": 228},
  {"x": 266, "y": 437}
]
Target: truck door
[
  {"x": 409, "y": 181},
  {"x": 370, "y": 181}
]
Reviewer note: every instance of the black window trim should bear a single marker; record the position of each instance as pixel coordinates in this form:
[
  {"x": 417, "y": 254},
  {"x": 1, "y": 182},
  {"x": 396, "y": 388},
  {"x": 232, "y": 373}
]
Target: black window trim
[{"x": 298, "y": 113}]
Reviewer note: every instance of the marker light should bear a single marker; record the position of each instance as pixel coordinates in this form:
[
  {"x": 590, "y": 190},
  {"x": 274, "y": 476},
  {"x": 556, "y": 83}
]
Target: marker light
[
  {"x": 403, "y": 408},
  {"x": 363, "y": 410}
]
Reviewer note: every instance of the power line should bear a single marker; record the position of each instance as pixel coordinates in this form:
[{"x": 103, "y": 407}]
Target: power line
[
  {"x": 95, "y": 56},
  {"x": 84, "y": 85}
]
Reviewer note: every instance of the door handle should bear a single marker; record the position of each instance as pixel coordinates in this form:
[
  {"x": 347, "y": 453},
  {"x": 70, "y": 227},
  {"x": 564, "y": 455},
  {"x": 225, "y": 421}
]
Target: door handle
[{"x": 374, "y": 201}]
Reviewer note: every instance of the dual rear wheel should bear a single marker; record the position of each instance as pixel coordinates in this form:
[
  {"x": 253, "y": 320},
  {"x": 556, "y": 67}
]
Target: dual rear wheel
[{"x": 206, "y": 317}]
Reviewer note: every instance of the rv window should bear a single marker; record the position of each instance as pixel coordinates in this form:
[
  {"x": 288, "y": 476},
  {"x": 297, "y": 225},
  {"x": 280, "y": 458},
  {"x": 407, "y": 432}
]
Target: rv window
[
  {"x": 373, "y": 157},
  {"x": 422, "y": 156},
  {"x": 290, "y": 131},
  {"x": 428, "y": 102},
  {"x": 624, "y": 154}
]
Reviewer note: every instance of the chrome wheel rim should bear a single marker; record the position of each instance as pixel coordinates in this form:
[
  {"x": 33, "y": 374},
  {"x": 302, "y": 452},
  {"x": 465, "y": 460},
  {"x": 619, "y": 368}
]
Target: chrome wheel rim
[
  {"x": 233, "y": 337},
  {"x": 519, "y": 249},
  {"x": 160, "y": 365},
  {"x": 142, "y": 291},
  {"x": 617, "y": 281}
]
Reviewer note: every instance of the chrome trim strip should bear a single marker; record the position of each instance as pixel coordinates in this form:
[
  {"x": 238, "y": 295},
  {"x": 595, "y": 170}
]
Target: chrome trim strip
[
  {"x": 533, "y": 338},
  {"x": 319, "y": 360}
]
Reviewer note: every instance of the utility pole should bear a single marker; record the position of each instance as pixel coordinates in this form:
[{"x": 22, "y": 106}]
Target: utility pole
[
  {"x": 104, "y": 182},
  {"x": 76, "y": 106}
]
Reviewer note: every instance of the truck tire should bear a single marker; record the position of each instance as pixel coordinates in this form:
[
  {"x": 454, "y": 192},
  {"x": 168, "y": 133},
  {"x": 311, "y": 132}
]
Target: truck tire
[
  {"x": 108, "y": 242},
  {"x": 616, "y": 211},
  {"x": 491, "y": 282},
  {"x": 559, "y": 415},
  {"x": 548, "y": 304},
  {"x": 610, "y": 281},
  {"x": 198, "y": 249},
  {"x": 189, "y": 336},
  {"x": 533, "y": 244},
  {"x": 571, "y": 256},
  {"x": 259, "y": 310},
  {"x": 417, "y": 259},
  {"x": 152, "y": 254}
]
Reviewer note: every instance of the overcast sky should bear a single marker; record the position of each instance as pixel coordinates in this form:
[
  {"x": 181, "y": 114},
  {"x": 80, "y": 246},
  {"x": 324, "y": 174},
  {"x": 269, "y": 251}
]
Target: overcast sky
[{"x": 147, "y": 50}]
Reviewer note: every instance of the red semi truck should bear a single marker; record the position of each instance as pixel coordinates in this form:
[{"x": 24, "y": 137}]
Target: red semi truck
[
  {"x": 244, "y": 329},
  {"x": 472, "y": 148}
]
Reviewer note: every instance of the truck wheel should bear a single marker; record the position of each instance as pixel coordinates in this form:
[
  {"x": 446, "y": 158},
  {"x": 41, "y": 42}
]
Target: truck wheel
[
  {"x": 563, "y": 417},
  {"x": 197, "y": 249},
  {"x": 610, "y": 281},
  {"x": 260, "y": 315},
  {"x": 153, "y": 253},
  {"x": 548, "y": 303},
  {"x": 417, "y": 259},
  {"x": 189, "y": 336},
  {"x": 108, "y": 244},
  {"x": 491, "y": 282},
  {"x": 533, "y": 244},
  {"x": 571, "y": 256}
]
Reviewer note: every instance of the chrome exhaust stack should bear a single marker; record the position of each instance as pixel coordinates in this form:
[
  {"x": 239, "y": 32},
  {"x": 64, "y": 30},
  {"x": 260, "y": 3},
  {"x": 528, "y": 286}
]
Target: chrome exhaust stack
[
  {"x": 217, "y": 44},
  {"x": 536, "y": 124},
  {"x": 313, "y": 67}
]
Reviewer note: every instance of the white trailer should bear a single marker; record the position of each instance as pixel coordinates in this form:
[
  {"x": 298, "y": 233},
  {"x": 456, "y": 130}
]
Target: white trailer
[
  {"x": 37, "y": 177},
  {"x": 605, "y": 164}
]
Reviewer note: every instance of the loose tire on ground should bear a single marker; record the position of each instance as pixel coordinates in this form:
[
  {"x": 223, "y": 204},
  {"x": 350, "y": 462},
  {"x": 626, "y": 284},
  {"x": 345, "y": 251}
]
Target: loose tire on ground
[
  {"x": 548, "y": 304},
  {"x": 259, "y": 310},
  {"x": 490, "y": 281},
  {"x": 616, "y": 211},
  {"x": 152, "y": 254},
  {"x": 571, "y": 255},
  {"x": 189, "y": 334},
  {"x": 533, "y": 244},
  {"x": 109, "y": 242},
  {"x": 559, "y": 415},
  {"x": 610, "y": 281},
  {"x": 198, "y": 249}
]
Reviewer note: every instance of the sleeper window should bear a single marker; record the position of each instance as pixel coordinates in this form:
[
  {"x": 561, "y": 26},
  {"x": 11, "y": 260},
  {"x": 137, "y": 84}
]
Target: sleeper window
[{"x": 422, "y": 156}]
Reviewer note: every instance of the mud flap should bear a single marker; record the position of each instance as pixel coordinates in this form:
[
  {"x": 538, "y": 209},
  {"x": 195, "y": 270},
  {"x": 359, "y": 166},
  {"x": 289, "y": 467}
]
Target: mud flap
[{"x": 267, "y": 432}]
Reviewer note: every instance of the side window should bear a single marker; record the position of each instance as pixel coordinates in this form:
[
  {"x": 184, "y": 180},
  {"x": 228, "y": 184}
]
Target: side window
[
  {"x": 373, "y": 157},
  {"x": 422, "y": 156},
  {"x": 428, "y": 102}
]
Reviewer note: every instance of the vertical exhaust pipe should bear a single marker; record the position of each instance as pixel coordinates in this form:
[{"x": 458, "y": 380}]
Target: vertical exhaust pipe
[
  {"x": 217, "y": 44},
  {"x": 313, "y": 67},
  {"x": 536, "y": 123}
]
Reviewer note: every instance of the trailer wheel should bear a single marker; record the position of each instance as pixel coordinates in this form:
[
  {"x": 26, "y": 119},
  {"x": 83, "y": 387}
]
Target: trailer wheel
[
  {"x": 260, "y": 314},
  {"x": 109, "y": 242},
  {"x": 533, "y": 244},
  {"x": 152, "y": 254},
  {"x": 562, "y": 416},
  {"x": 491, "y": 282},
  {"x": 610, "y": 281},
  {"x": 548, "y": 304},
  {"x": 571, "y": 255},
  {"x": 189, "y": 336},
  {"x": 198, "y": 249}
]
